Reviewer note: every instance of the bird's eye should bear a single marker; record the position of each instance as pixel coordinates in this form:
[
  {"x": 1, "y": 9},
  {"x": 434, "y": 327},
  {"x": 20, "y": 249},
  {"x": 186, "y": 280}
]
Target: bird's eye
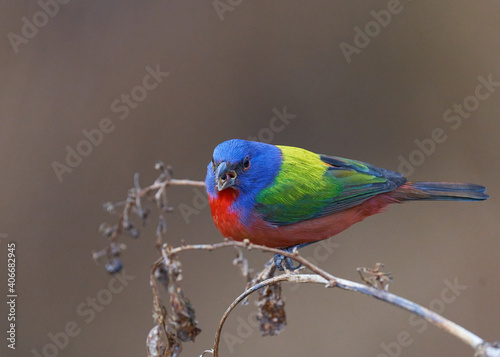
[{"x": 246, "y": 163}]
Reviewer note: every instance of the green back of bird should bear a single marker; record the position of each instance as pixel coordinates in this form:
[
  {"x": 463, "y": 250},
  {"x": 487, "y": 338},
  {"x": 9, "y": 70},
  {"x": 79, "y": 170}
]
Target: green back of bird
[{"x": 310, "y": 186}]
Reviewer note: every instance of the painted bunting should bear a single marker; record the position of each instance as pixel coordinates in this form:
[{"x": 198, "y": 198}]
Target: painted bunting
[{"x": 282, "y": 196}]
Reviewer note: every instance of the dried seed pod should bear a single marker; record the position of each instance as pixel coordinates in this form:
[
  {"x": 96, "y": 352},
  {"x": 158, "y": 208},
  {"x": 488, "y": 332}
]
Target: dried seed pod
[
  {"x": 184, "y": 318},
  {"x": 271, "y": 315},
  {"x": 162, "y": 276},
  {"x": 374, "y": 277},
  {"x": 159, "y": 344},
  {"x": 174, "y": 267},
  {"x": 106, "y": 230},
  {"x": 156, "y": 342},
  {"x": 114, "y": 265}
]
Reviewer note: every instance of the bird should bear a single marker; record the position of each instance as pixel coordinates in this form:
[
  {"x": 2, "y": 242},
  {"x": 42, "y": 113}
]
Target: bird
[{"x": 286, "y": 197}]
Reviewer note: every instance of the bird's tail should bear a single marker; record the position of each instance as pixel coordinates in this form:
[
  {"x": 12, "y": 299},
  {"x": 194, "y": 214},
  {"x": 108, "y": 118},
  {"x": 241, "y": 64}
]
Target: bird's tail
[{"x": 440, "y": 191}]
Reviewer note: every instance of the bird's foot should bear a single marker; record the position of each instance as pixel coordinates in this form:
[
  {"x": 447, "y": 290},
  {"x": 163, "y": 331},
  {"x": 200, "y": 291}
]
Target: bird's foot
[{"x": 281, "y": 262}]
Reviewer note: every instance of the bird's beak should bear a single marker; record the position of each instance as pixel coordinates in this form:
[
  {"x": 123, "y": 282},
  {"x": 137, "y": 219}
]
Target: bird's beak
[{"x": 225, "y": 177}]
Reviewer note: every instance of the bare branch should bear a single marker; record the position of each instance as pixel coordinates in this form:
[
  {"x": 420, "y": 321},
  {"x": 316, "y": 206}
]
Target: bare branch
[
  {"x": 133, "y": 204},
  {"x": 322, "y": 277},
  {"x": 465, "y": 336}
]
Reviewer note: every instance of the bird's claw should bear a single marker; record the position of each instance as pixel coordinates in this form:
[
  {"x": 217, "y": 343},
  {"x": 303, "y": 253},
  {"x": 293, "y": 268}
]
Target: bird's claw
[{"x": 281, "y": 262}]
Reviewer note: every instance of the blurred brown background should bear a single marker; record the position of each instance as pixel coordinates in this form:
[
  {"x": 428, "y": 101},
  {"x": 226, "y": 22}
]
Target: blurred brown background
[{"x": 226, "y": 77}]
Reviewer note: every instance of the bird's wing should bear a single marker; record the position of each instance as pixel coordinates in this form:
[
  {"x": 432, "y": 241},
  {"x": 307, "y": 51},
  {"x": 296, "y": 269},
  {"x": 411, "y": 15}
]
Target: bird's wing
[{"x": 311, "y": 186}]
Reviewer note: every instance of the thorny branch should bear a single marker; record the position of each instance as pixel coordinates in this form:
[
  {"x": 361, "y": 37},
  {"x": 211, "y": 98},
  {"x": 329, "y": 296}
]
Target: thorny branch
[{"x": 178, "y": 324}]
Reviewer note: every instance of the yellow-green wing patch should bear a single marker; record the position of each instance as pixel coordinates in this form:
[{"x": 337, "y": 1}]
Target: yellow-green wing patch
[{"x": 311, "y": 185}]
